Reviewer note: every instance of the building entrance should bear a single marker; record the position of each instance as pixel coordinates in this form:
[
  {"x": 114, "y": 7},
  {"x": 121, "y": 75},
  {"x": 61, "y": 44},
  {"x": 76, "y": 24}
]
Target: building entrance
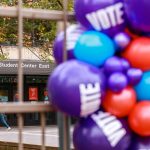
[{"x": 35, "y": 90}]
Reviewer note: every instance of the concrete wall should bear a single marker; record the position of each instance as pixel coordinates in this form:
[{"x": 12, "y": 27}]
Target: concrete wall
[
  {"x": 12, "y": 52},
  {"x": 14, "y": 146}
]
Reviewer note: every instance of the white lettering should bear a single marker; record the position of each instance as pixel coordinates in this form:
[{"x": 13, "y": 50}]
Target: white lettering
[
  {"x": 90, "y": 98},
  {"x": 119, "y": 13},
  {"x": 8, "y": 65},
  {"x": 106, "y": 18},
  {"x": 92, "y": 18},
  {"x": 24, "y": 65},
  {"x": 71, "y": 41},
  {"x": 90, "y": 107},
  {"x": 73, "y": 34},
  {"x": 144, "y": 149},
  {"x": 89, "y": 89},
  {"x": 44, "y": 66},
  {"x": 28, "y": 65},
  {"x": 103, "y": 19},
  {"x": 110, "y": 12},
  {"x": 116, "y": 137},
  {"x": 111, "y": 127}
]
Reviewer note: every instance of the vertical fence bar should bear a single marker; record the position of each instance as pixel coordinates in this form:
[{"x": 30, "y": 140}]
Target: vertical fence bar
[
  {"x": 63, "y": 120},
  {"x": 20, "y": 124},
  {"x": 64, "y": 131},
  {"x": 43, "y": 124},
  {"x": 60, "y": 27},
  {"x": 20, "y": 45},
  {"x": 66, "y": 119},
  {"x": 65, "y": 13},
  {"x": 20, "y": 70}
]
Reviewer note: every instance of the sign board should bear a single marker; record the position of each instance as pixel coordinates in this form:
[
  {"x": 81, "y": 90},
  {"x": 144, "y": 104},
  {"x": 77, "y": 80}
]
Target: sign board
[
  {"x": 33, "y": 93},
  {"x": 29, "y": 67}
]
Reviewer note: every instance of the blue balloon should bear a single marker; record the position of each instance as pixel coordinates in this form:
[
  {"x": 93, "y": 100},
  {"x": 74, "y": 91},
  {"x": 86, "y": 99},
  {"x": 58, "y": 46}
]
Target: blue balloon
[
  {"x": 94, "y": 48},
  {"x": 143, "y": 87}
]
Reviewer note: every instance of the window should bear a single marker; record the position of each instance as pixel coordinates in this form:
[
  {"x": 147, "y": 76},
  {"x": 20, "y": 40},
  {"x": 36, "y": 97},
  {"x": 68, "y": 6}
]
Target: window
[{"x": 4, "y": 95}]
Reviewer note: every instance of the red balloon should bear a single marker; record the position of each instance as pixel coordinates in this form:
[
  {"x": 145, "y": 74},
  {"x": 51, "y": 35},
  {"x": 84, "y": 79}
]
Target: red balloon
[
  {"x": 138, "y": 53},
  {"x": 120, "y": 104},
  {"x": 139, "y": 119}
]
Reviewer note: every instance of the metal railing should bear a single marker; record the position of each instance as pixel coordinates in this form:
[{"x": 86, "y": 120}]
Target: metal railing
[{"x": 24, "y": 107}]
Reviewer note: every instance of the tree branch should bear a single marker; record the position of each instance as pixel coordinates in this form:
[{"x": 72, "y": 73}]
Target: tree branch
[{"x": 60, "y": 4}]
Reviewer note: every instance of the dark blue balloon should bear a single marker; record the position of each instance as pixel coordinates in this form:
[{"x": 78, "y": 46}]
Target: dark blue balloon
[
  {"x": 101, "y": 131},
  {"x": 76, "y": 88},
  {"x": 122, "y": 40},
  {"x": 102, "y": 15},
  {"x": 113, "y": 65},
  {"x": 117, "y": 82},
  {"x": 137, "y": 14},
  {"x": 73, "y": 33},
  {"x": 134, "y": 76},
  {"x": 125, "y": 64},
  {"x": 140, "y": 143}
]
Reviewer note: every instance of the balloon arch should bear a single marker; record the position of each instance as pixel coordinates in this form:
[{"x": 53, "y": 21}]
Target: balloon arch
[{"x": 106, "y": 79}]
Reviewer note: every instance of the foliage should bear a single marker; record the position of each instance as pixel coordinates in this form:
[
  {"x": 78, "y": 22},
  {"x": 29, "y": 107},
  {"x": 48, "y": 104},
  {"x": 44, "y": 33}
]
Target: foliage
[
  {"x": 36, "y": 32},
  {"x": 3, "y": 56}
]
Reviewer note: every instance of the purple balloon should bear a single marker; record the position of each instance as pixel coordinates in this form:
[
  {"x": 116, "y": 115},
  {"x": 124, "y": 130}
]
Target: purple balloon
[
  {"x": 134, "y": 76},
  {"x": 140, "y": 143},
  {"x": 102, "y": 15},
  {"x": 125, "y": 64},
  {"x": 117, "y": 82},
  {"x": 113, "y": 65},
  {"x": 73, "y": 33},
  {"x": 76, "y": 88},
  {"x": 122, "y": 40},
  {"x": 101, "y": 131},
  {"x": 138, "y": 14}
]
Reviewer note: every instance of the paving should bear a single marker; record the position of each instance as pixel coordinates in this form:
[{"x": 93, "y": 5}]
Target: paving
[{"x": 32, "y": 135}]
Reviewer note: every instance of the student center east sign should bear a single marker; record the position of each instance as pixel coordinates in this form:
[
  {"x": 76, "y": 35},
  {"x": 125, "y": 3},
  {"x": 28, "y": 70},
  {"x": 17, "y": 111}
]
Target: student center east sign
[
  {"x": 29, "y": 67},
  {"x": 34, "y": 84},
  {"x": 25, "y": 65}
]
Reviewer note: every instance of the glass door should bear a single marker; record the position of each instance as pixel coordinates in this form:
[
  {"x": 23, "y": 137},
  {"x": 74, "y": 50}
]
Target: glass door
[
  {"x": 4, "y": 93},
  {"x": 32, "y": 96}
]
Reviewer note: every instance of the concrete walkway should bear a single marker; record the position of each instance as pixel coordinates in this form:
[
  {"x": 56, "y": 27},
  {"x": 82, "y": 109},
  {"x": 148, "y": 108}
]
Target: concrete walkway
[{"x": 32, "y": 135}]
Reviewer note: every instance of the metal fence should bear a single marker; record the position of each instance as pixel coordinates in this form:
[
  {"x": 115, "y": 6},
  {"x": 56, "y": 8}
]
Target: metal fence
[{"x": 24, "y": 107}]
